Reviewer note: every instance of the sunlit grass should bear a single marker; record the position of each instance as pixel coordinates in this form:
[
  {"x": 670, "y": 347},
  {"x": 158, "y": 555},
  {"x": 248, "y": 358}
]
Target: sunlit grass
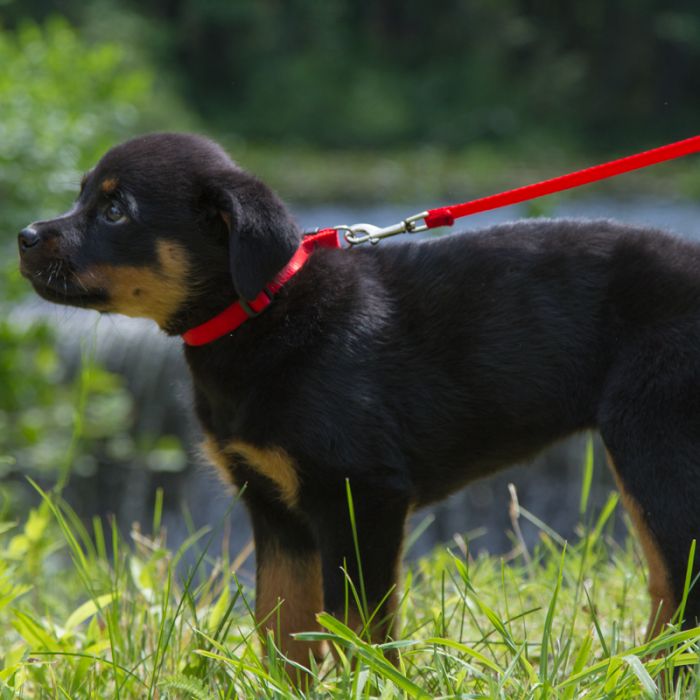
[{"x": 83, "y": 614}]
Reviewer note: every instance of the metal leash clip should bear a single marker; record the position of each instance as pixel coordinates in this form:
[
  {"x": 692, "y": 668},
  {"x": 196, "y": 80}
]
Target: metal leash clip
[{"x": 363, "y": 233}]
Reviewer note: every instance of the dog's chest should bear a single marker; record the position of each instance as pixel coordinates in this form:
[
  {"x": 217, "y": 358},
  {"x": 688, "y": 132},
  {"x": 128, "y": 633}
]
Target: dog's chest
[{"x": 237, "y": 459}]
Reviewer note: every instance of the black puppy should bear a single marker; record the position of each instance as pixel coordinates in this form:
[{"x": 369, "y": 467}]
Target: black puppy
[{"x": 407, "y": 370}]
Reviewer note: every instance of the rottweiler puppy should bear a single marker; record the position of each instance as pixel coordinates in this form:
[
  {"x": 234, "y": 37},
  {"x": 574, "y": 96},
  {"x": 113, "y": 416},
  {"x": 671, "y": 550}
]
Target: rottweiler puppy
[{"x": 404, "y": 371}]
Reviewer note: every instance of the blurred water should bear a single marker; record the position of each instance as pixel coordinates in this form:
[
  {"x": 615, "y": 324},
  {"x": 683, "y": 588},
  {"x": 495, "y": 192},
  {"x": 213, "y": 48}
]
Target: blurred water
[
  {"x": 676, "y": 216},
  {"x": 154, "y": 369}
]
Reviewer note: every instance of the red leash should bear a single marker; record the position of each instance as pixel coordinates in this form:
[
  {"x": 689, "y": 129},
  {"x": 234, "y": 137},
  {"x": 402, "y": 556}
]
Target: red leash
[
  {"x": 445, "y": 216},
  {"x": 240, "y": 311}
]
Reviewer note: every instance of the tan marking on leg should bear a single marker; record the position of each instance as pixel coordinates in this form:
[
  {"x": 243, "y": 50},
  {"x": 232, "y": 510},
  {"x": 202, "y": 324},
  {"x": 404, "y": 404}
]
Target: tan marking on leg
[
  {"x": 214, "y": 455},
  {"x": 109, "y": 185},
  {"x": 148, "y": 292},
  {"x": 274, "y": 464},
  {"x": 289, "y": 594},
  {"x": 663, "y": 603}
]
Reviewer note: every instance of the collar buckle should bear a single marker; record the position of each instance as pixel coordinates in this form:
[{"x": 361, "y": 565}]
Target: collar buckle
[{"x": 256, "y": 306}]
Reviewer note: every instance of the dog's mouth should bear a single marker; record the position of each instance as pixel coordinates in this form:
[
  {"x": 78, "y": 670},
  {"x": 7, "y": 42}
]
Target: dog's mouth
[{"x": 57, "y": 283}]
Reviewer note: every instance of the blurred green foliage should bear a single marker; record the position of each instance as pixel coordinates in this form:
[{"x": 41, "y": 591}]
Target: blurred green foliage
[
  {"x": 402, "y": 100},
  {"x": 349, "y": 73},
  {"x": 64, "y": 101},
  {"x": 51, "y": 421}
]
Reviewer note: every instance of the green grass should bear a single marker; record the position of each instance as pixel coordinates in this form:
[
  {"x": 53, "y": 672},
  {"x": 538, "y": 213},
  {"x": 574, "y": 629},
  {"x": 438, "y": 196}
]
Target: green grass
[{"x": 564, "y": 620}]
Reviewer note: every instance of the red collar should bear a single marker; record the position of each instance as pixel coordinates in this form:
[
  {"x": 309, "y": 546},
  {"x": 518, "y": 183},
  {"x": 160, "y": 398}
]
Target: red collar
[{"x": 240, "y": 311}]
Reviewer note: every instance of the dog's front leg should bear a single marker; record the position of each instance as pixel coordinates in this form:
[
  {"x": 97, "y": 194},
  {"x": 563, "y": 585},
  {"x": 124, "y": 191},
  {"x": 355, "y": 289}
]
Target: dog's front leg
[
  {"x": 289, "y": 592},
  {"x": 365, "y": 558}
]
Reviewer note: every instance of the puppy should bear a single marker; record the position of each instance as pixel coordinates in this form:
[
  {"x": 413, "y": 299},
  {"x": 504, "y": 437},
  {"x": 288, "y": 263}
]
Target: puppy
[{"x": 403, "y": 371}]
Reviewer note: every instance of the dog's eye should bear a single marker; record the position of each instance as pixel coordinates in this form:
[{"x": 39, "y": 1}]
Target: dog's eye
[{"x": 114, "y": 213}]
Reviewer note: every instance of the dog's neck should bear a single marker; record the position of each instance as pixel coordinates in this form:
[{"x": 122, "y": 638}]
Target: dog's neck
[
  {"x": 210, "y": 300},
  {"x": 239, "y": 362},
  {"x": 234, "y": 315}
]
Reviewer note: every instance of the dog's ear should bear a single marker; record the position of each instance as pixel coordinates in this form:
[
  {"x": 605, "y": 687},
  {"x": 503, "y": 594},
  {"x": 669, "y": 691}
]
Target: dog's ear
[{"x": 262, "y": 234}]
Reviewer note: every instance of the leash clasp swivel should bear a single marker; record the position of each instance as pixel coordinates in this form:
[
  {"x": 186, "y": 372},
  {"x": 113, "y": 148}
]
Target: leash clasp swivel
[{"x": 363, "y": 233}]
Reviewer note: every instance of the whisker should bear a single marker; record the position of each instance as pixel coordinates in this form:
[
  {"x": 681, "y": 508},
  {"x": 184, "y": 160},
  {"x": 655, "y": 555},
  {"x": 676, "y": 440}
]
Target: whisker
[
  {"x": 52, "y": 272},
  {"x": 78, "y": 280}
]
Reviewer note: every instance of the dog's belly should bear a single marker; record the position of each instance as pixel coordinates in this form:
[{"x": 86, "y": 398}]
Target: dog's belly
[
  {"x": 493, "y": 417},
  {"x": 454, "y": 466}
]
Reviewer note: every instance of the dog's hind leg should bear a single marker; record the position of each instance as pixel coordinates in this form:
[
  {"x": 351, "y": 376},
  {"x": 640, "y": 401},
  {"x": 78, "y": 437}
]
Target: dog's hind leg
[
  {"x": 650, "y": 422},
  {"x": 663, "y": 599},
  {"x": 665, "y": 511}
]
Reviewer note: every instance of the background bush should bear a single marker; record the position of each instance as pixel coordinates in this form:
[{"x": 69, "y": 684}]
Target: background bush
[
  {"x": 64, "y": 101},
  {"x": 348, "y": 73}
]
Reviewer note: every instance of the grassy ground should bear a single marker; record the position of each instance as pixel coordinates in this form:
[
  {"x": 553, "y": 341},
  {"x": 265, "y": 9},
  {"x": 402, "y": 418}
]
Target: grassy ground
[{"x": 560, "y": 621}]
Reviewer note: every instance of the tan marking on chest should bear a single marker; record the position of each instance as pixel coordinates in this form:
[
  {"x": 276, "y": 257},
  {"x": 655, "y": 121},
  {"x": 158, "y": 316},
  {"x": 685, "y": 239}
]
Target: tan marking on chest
[
  {"x": 213, "y": 454},
  {"x": 144, "y": 291},
  {"x": 271, "y": 462}
]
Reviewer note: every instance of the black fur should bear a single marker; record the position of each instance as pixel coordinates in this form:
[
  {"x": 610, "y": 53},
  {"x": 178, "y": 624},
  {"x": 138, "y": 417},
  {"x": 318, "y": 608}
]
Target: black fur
[{"x": 411, "y": 369}]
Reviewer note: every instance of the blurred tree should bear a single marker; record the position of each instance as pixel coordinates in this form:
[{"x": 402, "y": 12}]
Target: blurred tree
[
  {"x": 382, "y": 72},
  {"x": 386, "y": 72}
]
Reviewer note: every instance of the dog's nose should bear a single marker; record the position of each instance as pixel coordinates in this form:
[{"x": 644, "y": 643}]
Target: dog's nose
[{"x": 28, "y": 238}]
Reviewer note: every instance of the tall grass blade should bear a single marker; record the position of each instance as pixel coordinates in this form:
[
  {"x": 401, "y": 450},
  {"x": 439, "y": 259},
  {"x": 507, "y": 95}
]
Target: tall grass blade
[{"x": 587, "y": 478}]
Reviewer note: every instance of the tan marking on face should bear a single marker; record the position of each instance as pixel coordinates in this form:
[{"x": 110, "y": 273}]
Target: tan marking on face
[
  {"x": 274, "y": 464},
  {"x": 145, "y": 291},
  {"x": 213, "y": 454},
  {"x": 109, "y": 185},
  {"x": 289, "y": 594},
  {"x": 663, "y": 603}
]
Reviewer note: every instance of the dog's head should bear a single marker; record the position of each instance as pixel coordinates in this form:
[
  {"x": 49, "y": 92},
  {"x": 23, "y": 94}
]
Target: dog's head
[{"x": 167, "y": 227}]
